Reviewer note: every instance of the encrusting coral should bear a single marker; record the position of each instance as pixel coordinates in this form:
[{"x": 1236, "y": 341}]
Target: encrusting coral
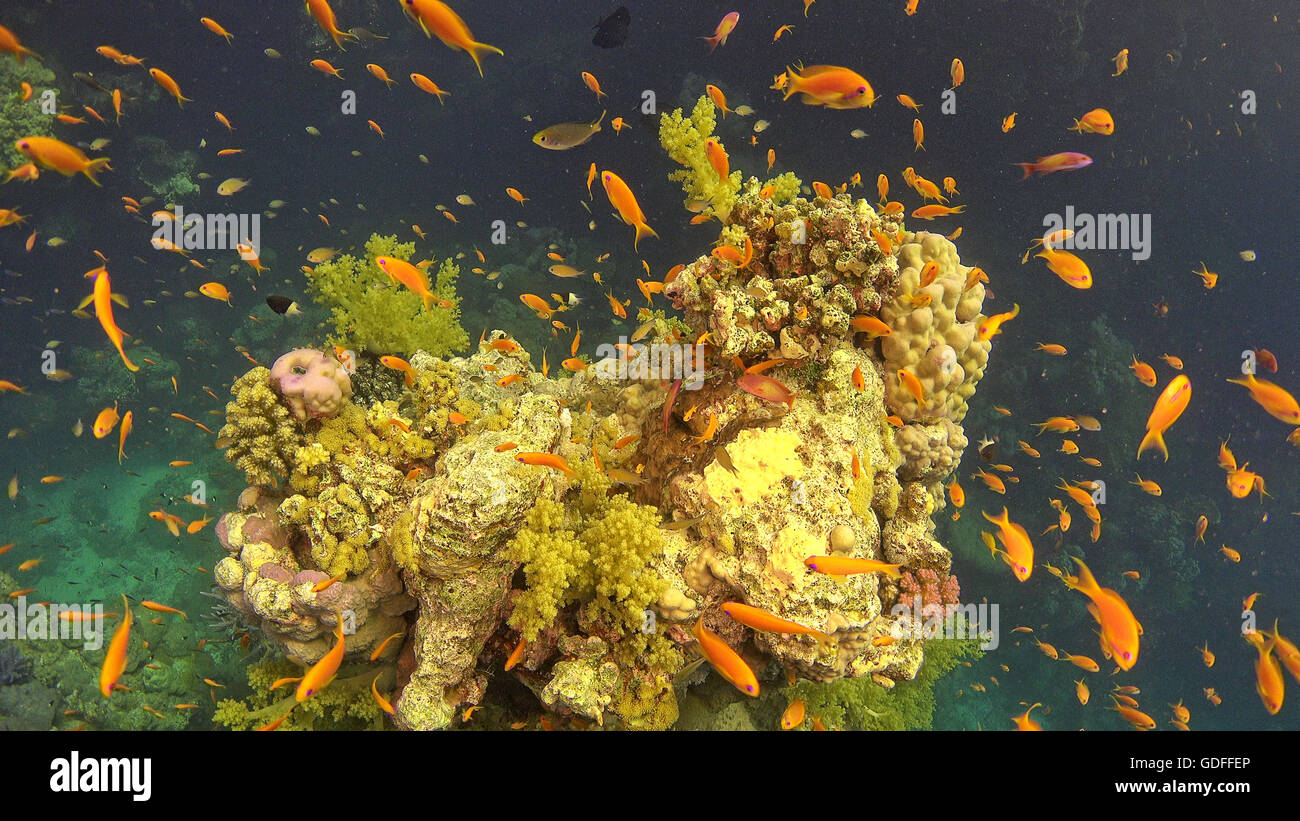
[{"x": 635, "y": 509}]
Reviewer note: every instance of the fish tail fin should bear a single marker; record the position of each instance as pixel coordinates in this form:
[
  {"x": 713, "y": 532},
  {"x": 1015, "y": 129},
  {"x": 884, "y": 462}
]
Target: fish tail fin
[
  {"x": 712, "y": 41},
  {"x": 336, "y": 34},
  {"x": 1028, "y": 168},
  {"x": 962, "y": 209},
  {"x": 893, "y": 571},
  {"x": 1153, "y": 439},
  {"x": 1085, "y": 582},
  {"x": 96, "y": 165},
  {"x": 642, "y": 230},
  {"x": 474, "y": 48},
  {"x": 130, "y": 366},
  {"x": 1245, "y": 382},
  {"x": 1078, "y": 126},
  {"x": 825, "y": 641},
  {"x": 428, "y": 298}
]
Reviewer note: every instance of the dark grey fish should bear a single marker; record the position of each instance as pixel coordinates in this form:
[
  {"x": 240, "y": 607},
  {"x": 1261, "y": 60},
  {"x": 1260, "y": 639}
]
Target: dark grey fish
[
  {"x": 365, "y": 34},
  {"x": 282, "y": 305},
  {"x": 612, "y": 31},
  {"x": 89, "y": 79}
]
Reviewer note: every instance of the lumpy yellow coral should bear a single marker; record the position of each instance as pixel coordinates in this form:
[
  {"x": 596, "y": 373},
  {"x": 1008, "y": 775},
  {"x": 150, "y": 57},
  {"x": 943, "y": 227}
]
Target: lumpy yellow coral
[
  {"x": 262, "y": 435},
  {"x": 684, "y": 139}
]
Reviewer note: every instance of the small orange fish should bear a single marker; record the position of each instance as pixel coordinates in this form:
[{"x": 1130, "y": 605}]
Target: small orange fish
[
  {"x": 551, "y": 460},
  {"x": 725, "y": 660},
  {"x": 115, "y": 659}
]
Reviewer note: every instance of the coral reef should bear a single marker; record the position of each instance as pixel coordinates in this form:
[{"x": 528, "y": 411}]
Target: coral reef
[
  {"x": 580, "y": 525},
  {"x": 372, "y": 313}
]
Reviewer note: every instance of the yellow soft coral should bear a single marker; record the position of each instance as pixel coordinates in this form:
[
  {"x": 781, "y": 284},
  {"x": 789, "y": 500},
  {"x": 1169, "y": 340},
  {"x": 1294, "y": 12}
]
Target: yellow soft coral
[{"x": 684, "y": 138}]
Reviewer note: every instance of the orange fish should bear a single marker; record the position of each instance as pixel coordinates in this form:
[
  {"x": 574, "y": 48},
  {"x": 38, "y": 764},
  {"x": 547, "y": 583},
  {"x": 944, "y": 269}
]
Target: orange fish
[
  {"x": 847, "y": 566},
  {"x": 125, "y": 431},
  {"x": 1097, "y": 121},
  {"x": 831, "y": 86},
  {"x": 162, "y": 608},
  {"x": 929, "y": 212},
  {"x": 115, "y": 658},
  {"x": 725, "y": 660},
  {"x": 550, "y": 460},
  {"x": 379, "y": 73},
  {"x": 169, "y": 85},
  {"x": 1024, "y": 722},
  {"x": 1120, "y": 630},
  {"x": 1268, "y": 672},
  {"x": 1144, "y": 372},
  {"x": 724, "y": 28},
  {"x": 322, "y": 672},
  {"x": 1169, "y": 406},
  {"x": 56, "y": 155},
  {"x": 1273, "y": 398},
  {"x": 102, "y": 298},
  {"x": 992, "y": 326},
  {"x": 425, "y": 84},
  {"x": 622, "y": 198},
  {"x": 1072, "y": 270},
  {"x": 320, "y": 9},
  {"x": 437, "y": 18},
  {"x": 760, "y": 619},
  {"x": 1018, "y": 550},
  {"x": 407, "y": 274},
  {"x": 324, "y": 67},
  {"x": 105, "y": 422}
]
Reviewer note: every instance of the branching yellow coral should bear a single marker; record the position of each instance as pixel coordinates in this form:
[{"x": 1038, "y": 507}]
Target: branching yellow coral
[
  {"x": 684, "y": 138},
  {"x": 371, "y": 313},
  {"x": 596, "y": 548},
  {"x": 262, "y": 434}
]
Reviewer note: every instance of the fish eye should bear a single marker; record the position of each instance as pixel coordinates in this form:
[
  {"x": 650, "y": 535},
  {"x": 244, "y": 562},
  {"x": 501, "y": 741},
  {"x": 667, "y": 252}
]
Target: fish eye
[{"x": 862, "y": 89}]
